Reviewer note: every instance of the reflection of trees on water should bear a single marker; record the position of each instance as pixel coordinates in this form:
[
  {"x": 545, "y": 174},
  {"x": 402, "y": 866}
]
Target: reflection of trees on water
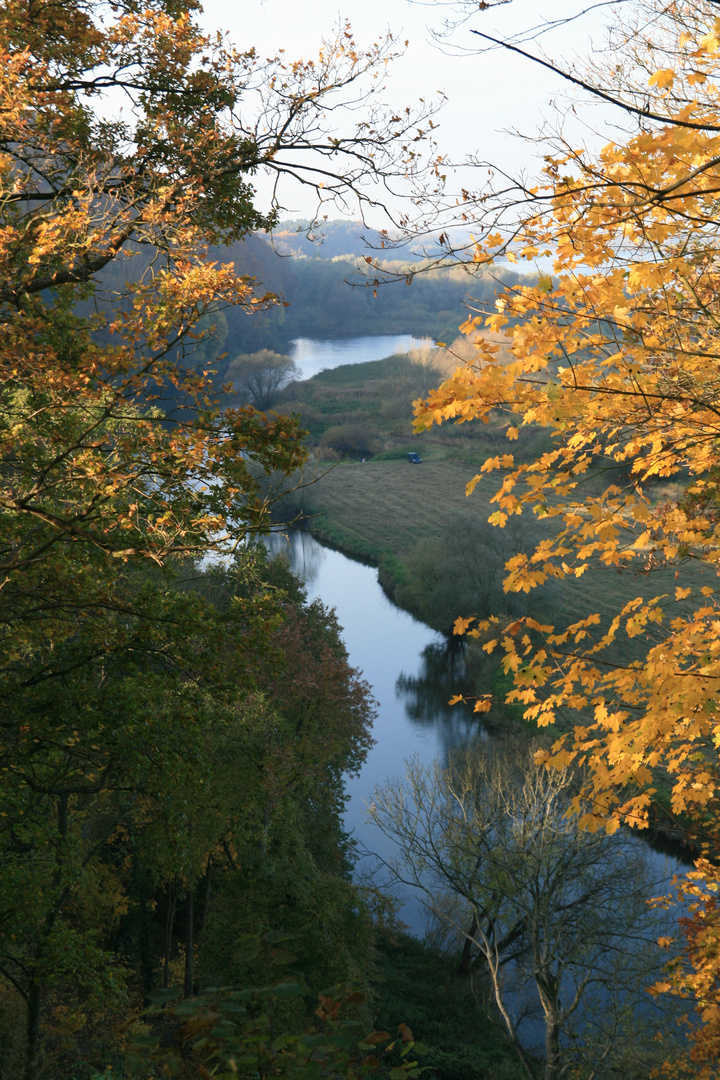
[
  {"x": 300, "y": 549},
  {"x": 426, "y": 695}
]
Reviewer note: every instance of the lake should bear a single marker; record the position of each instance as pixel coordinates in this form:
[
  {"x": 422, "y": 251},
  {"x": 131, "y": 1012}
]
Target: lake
[{"x": 312, "y": 356}]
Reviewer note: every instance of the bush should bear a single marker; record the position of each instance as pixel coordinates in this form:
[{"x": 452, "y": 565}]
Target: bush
[{"x": 352, "y": 439}]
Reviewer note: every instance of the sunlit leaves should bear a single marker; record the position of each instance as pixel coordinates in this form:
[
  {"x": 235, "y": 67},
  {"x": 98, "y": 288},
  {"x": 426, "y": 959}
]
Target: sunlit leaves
[{"x": 616, "y": 354}]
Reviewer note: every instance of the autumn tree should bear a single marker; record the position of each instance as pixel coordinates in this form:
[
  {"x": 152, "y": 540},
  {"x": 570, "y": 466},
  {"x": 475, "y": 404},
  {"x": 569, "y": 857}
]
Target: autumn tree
[
  {"x": 115, "y": 462},
  {"x": 615, "y": 352},
  {"x": 79, "y": 191},
  {"x": 284, "y": 853}
]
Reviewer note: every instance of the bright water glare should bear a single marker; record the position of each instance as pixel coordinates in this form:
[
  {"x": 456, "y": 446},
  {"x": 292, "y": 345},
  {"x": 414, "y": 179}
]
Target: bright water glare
[{"x": 313, "y": 356}]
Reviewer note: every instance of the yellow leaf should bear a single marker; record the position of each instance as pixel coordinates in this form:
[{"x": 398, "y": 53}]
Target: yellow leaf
[{"x": 662, "y": 78}]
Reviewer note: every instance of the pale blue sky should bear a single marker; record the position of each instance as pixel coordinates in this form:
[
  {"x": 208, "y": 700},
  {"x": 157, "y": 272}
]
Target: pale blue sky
[{"x": 486, "y": 94}]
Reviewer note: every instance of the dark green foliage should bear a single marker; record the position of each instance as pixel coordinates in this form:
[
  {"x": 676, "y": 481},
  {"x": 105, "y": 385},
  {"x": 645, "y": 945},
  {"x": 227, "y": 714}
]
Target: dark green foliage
[
  {"x": 195, "y": 750},
  {"x": 248, "y": 1032},
  {"x": 422, "y": 989}
]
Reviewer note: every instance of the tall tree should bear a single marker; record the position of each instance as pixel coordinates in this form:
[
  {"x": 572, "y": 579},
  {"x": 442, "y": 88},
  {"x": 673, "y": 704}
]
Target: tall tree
[
  {"x": 616, "y": 353},
  {"x": 114, "y": 459},
  {"x": 488, "y": 843}
]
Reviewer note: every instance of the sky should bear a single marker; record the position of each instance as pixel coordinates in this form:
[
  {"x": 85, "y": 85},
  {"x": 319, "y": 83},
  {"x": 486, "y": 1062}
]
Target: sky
[{"x": 488, "y": 94}]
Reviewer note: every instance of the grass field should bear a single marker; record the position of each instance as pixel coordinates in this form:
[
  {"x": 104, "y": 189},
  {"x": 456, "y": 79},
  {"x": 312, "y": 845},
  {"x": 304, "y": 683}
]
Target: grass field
[
  {"x": 387, "y": 506},
  {"x": 438, "y": 555},
  {"x": 392, "y": 514},
  {"x": 383, "y": 509}
]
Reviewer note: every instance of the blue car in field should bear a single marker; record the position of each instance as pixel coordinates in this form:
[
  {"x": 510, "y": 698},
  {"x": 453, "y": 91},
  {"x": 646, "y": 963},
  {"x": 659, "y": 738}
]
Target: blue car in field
[{"x": 414, "y": 458}]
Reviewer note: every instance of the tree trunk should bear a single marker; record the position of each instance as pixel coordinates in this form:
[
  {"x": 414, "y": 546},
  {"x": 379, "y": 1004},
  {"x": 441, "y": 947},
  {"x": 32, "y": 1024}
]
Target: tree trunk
[
  {"x": 33, "y": 995},
  {"x": 467, "y": 957},
  {"x": 32, "y": 1028},
  {"x": 169, "y": 923},
  {"x": 188, "y": 987},
  {"x": 548, "y": 986},
  {"x": 206, "y": 900},
  {"x": 552, "y": 1047}
]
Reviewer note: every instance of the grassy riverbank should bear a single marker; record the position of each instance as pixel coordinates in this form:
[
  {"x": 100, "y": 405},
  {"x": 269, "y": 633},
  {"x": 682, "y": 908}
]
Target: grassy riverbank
[
  {"x": 418, "y": 526},
  {"x": 438, "y": 556}
]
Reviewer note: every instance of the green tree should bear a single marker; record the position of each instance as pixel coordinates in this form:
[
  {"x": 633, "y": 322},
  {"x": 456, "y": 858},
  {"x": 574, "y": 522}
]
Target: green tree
[{"x": 115, "y": 461}]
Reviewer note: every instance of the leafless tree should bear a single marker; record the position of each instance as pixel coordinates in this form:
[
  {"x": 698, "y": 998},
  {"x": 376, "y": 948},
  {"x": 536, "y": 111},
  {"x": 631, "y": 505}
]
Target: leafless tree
[{"x": 554, "y": 921}]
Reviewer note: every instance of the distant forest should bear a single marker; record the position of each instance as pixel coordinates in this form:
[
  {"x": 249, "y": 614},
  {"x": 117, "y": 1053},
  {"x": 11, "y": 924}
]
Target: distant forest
[
  {"x": 326, "y": 294},
  {"x": 325, "y": 290}
]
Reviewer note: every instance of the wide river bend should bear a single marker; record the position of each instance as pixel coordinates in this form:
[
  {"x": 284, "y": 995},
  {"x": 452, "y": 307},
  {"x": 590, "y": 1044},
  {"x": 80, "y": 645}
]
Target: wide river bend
[{"x": 406, "y": 663}]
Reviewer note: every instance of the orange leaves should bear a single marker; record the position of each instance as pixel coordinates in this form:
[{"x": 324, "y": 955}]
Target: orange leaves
[
  {"x": 662, "y": 79},
  {"x": 615, "y": 355}
]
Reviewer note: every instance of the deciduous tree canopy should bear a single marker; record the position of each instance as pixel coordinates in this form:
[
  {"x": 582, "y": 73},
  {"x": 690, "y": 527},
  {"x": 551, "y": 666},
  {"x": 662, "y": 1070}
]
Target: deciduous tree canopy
[
  {"x": 616, "y": 353},
  {"x": 128, "y": 145}
]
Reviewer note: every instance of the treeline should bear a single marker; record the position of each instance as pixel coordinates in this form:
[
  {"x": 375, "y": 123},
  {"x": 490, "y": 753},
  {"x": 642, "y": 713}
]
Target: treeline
[
  {"x": 336, "y": 298},
  {"x": 174, "y": 786},
  {"x": 317, "y": 296}
]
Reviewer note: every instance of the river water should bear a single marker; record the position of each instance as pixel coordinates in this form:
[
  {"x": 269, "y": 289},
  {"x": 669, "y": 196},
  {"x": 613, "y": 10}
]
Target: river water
[
  {"x": 412, "y": 675},
  {"x": 396, "y": 655},
  {"x": 412, "y": 678},
  {"x": 393, "y": 651},
  {"x": 312, "y": 356}
]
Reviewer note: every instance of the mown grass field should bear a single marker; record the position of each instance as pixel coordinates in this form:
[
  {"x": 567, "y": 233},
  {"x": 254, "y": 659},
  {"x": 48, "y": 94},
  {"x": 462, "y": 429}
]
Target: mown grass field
[
  {"x": 383, "y": 509},
  {"x": 438, "y": 555},
  {"x": 387, "y": 506}
]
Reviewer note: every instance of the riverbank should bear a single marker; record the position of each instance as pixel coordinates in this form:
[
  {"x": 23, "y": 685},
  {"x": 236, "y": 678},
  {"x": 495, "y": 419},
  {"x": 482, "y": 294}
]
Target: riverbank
[
  {"x": 438, "y": 557},
  {"x": 352, "y": 502},
  {"x": 412, "y": 678}
]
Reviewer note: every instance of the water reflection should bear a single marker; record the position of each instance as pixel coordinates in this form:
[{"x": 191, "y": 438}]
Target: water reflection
[
  {"x": 414, "y": 718},
  {"x": 303, "y": 553},
  {"x": 313, "y": 356},
  {"x": 426, "y": 695}
]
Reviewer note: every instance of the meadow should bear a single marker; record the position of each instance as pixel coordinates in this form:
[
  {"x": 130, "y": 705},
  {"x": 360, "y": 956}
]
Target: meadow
[{"x": 438, "y": 555}]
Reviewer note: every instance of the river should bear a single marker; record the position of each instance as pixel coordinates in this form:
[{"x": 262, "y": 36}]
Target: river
[
  {"x": 412, "y": 678},
  {"x": 312, "y": 356},
  {"x": 412, "y": 675},
  {"x": 393, "y": 651}
]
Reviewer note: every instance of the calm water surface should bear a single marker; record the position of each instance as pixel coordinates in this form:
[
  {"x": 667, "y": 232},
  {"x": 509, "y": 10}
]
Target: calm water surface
[
  {"x": 395, "y": 654},
  {"x": 313, "y": 356},
  {"x": 411, "y": 678}
]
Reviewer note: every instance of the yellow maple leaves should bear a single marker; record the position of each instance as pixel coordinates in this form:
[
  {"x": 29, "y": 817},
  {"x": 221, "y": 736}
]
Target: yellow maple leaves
[{"x": 617, "y": 355}]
